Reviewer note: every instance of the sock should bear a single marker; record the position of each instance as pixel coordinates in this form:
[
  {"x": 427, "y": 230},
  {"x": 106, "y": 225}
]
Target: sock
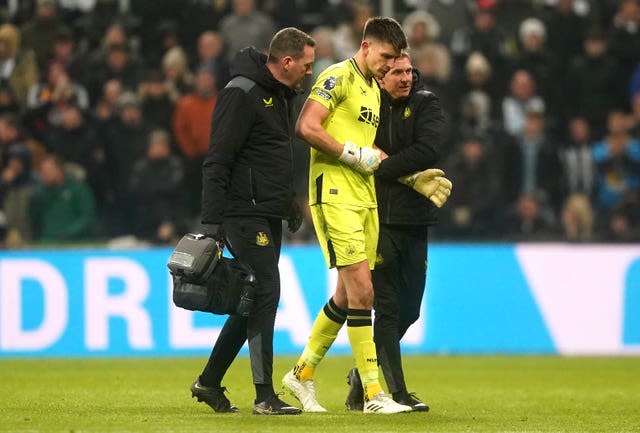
[
  {"x": 323, "y": 333},
  {"x": 263, "y": 391},
  {"x": 360, "y": 334}
]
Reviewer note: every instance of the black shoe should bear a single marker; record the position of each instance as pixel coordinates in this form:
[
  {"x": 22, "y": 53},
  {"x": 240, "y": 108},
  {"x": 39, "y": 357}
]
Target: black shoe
[
  {"x": 214, "y": 397},
  {"x": 274, "y": 406},
  {"x": 410, "y": 399},
  {"x": 355, "y": 398}
]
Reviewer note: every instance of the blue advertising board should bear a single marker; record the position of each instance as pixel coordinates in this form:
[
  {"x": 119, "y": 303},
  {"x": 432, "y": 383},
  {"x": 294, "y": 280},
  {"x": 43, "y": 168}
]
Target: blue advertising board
[{"x": 480, "y": 298}]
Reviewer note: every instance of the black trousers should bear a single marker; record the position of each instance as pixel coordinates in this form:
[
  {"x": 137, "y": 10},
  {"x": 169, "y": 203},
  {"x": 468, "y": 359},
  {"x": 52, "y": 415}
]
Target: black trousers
[
  {"x": 257, "y": 242},
  {"x": 398, "y": 281}
]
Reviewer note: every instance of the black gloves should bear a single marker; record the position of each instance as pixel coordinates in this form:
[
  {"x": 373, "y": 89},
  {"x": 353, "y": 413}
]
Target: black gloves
[{"x": 295, "y": 217}]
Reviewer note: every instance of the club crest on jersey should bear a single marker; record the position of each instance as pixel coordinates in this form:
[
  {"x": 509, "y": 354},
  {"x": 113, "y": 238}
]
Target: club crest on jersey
[
  {"x": 329, "y": 83},
  {"x": 379, "y": 259},
  {"x": 262, "y": 240},
  {"x": 407, "y": 113},
  {"x": 268, "y": 102}
]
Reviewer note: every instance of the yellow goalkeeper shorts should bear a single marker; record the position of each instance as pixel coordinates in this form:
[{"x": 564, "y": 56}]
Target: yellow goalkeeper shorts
[{"x": 347, "y": 234}]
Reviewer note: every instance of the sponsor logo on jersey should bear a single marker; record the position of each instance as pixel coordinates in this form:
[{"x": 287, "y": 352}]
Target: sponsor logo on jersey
[
  {"x": 323, "y": 94},
  {"x": 368, "y": 116}
]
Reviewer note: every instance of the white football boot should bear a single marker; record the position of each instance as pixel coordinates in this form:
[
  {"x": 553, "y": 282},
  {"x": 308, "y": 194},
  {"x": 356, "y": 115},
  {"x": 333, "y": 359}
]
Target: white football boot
[
  {"x": 305, "y": 392},
  {"x": 382, "y": 403}
]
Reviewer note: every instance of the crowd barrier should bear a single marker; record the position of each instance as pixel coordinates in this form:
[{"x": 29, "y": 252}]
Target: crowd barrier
[{"x": 480, "y": 299}]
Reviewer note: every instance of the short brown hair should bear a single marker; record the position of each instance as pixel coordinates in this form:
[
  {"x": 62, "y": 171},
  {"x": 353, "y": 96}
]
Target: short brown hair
[
  {"x": 289, "y": 41},
  {"x": 385, "y": 29}
]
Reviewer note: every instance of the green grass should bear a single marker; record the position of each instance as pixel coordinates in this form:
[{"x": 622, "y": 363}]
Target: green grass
[{"x": 466, "y": 394}]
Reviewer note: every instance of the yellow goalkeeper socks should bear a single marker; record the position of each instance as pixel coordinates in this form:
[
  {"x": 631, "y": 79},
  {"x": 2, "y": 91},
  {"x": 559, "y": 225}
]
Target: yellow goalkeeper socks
[
  {"x": 323, "y": 333},
  {"x": 360, "y": 334}
]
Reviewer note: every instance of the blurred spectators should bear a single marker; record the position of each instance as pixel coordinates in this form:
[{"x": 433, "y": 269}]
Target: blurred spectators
[
  {"x": 125, "y": 143},
  {"x": 635, "y": 117},
  {"x": 154, "y": 95},
  {"x": 535, "y": 58},
  {"x": 157, "y": 191},
  {"x": 177, "y": 75},
  {"x": 38, "y": 33},
  {"x": 325, "y": 53},
  {"x": 566, "y": 30},
  {"x": 527, "y": 87},
  {"x": 484, "y": 36},
  {"x": 61, "y": 207},
  {"x": 245, "y": 26},
  {"x": 594, "y": 85},
  {"x": 18, "y": 66},
  {"x": 471, "y": 211},
  {"x": 348, "y": 35},
  {"x": 450, "y": 15},
  {"x": 211, "y": 54},
  {"x": 475, "y": 108},
  {"x": 64, "y": 53},
  {"x": 617, "y": 159},
  {"x": 522, "y": 94},
  {"x": 577, "y": 218},
  {"x": 577, "y": 159},
  {"x": 192, "y": 127},
  {"x": 527, "y": 220},
  {"x": 47, "y": 100},
  {"x": 421, "y": 28},
  {"x": 16, "y": 186},
  {"x": 624, "y": 39},
  {"x": 113, "y": 60},
  {"x": 532, "y": 165},
  {"x": 76, "y": 142}
]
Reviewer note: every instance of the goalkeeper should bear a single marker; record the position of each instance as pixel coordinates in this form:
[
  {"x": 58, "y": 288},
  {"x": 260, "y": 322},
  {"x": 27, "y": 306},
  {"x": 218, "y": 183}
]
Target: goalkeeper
[{"x": 410, "y": 132}]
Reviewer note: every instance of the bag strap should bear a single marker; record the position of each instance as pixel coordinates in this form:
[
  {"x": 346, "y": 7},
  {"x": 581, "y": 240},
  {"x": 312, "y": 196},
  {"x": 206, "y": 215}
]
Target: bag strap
[{"x": 227, "y": 243}]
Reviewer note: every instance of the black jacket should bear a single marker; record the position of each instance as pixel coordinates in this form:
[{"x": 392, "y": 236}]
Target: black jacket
[
  {"x": 248, "y": 170},
  {"x": 410, "y": 132}
]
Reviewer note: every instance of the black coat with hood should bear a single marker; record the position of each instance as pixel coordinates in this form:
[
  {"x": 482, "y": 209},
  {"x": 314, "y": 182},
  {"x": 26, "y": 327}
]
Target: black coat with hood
[
  {"x": 248, "y": 170},
  {"x": 410, "y": 132}
]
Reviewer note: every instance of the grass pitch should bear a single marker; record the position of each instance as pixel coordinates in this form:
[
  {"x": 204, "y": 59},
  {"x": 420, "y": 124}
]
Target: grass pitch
[{"x": 466, "y": 394}]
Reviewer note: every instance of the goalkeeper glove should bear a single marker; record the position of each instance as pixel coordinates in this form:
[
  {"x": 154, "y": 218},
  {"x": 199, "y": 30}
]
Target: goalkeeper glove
[
  {"x": 363, "y": 159},
  {"x": 430, "y": 183}
]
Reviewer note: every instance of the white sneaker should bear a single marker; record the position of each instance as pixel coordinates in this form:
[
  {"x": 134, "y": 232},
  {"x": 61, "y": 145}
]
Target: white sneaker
[
  {"x": 305, "y": 392},
  {"x": 382, "y": 403}
]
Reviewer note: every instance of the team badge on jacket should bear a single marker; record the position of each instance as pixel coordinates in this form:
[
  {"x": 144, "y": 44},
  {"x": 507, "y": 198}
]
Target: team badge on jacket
[
  {"x": 268, "y": 102},
  {"x": 407, "y": 112},
  {"x": 262, "y": 240}
]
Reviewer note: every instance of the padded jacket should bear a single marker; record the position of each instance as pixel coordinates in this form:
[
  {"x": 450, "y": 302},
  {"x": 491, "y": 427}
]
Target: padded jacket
[
  {"x": 248, "y": 170},
  {"x": 411, "y": 133}
]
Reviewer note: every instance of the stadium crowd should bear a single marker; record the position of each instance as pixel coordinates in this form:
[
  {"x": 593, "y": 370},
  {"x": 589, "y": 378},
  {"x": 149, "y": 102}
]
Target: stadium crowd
[{"x": 105, "y": 111}]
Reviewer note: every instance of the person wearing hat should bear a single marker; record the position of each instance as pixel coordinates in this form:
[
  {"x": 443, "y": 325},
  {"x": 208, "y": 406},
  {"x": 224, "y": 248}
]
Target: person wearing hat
[{"x": 536, "y": 58}]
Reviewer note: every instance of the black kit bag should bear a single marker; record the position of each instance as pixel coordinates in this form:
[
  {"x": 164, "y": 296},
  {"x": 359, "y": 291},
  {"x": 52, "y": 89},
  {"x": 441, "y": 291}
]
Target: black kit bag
[{"x": 204, "y": 280}]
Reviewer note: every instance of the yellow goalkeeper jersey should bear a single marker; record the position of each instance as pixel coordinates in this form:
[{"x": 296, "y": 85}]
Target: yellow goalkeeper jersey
[{"x": 354, "y": 106}]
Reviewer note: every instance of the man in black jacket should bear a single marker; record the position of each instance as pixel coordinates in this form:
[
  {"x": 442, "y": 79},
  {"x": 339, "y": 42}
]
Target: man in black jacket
[
  {"x": 410, "y": 133},
  {"x": 247, "y": 192}
]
